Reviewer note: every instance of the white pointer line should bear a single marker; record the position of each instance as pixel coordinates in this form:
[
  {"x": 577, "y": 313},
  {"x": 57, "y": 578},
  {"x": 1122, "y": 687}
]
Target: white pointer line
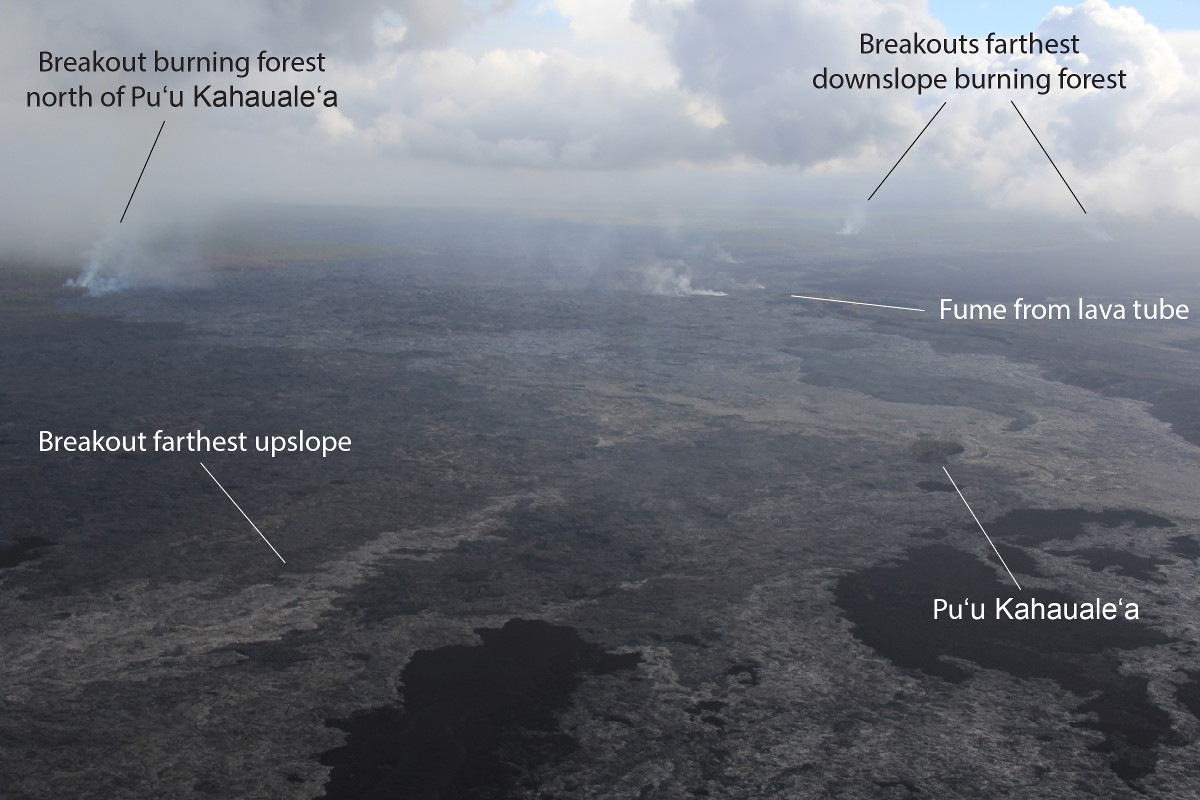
[
  {"x": 853, "y": 303},
  {"x": 239, "y": 508},
  {"x": 980, "y": 524}
]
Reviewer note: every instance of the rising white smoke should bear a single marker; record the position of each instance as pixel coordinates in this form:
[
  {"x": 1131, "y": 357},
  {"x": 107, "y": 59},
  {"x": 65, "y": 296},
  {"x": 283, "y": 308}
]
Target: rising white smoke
[
  {"x": 112, "y": 264},
  {"x": 673, "y": 281},
  {"x": 723, "y": 256},
  {"x": 126, "y": 258},
  {"x": 1095, "y": 230},
  {"x": 856, "y": 220}
]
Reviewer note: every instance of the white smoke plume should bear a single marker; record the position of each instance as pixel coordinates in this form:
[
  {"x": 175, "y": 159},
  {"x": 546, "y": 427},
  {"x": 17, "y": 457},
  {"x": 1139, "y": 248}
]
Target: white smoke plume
[
  {"x": 1095, "y": 230},
  {"x": 111, "y": 265},
  {"x": 125, "y": 259},
  {"x": 670, "y": 281},
  {"x": 856, "y": 220},
  {"x": 723, "y": 256}
]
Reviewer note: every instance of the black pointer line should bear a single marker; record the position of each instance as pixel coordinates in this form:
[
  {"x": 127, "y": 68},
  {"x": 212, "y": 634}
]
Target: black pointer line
[
  {"x": 910, "y": 147},
  {"x": 143, "y": 172},
  {"x": 1039, "y": 141}
]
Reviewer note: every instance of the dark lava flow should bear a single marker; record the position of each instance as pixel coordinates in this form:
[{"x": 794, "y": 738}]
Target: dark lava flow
[
  {"x": 474, "y": 719},
  {"x": 1133, "y": 566},
  {"x": 1025, "y": 527},
  {"x": 23, "y": 548},
  {"x": 1030, "y": 526},
  {"x": 891, "y": 607},
  {"x": 1188, "y": 692},
  {"x": 1185, "y": 546}
]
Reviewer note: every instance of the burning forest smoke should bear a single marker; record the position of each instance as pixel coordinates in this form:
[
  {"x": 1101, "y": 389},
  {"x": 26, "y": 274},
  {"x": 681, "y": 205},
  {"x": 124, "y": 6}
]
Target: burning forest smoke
[
  {"x": 663, "y": 280},
  {"x": 124, "y": 259}
]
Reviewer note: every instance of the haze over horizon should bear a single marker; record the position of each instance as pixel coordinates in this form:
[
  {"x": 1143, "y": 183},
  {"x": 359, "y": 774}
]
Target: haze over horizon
[{"x": 659, "y": 104}]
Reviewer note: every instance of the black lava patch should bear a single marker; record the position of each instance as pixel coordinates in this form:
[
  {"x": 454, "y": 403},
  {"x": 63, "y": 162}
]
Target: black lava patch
[
  {"x": 891, "y": 607},
  {"x": 1185, "y": 546},
  {"x": 1031, "y": 526},
  {"x": 1100, "y": 558},
  {"x": 1018, "y": 560},
  {"x": 928, "y": 450},
  {"x": 1188, "y": 692},
  {"x": 24, "y": 548},
  {"x": 474, "y": 720}
]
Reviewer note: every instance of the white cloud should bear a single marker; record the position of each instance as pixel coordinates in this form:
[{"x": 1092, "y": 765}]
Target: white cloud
[
  {"x": 535, "y": 109},
  {"x": 1131, "y": 151},
  {"x": 756, "y": 60},
  {"x": 1128, "y": 151},
  {"x": 627, "y": 88}
]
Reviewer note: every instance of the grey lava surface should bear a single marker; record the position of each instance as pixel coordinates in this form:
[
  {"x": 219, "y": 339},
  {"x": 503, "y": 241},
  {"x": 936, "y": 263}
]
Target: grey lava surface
[{"x": 621, "y": 519}]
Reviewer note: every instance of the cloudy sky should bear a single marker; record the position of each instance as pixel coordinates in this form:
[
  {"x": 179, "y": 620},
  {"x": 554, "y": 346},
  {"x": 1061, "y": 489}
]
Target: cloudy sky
[{"x": 599, "y": 103}]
